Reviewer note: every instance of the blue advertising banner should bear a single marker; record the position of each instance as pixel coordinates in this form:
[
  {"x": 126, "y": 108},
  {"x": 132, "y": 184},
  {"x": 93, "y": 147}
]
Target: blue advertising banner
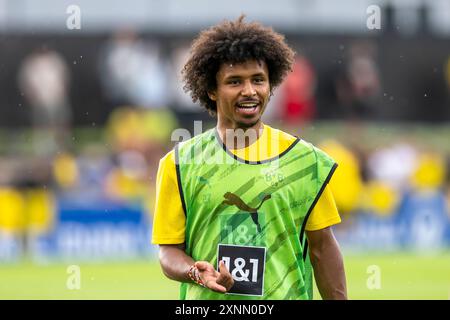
[
  {"x": 98, "y": 231},
  {"x": 421, "y": 223},
  {"x": 11, "y": 247}
]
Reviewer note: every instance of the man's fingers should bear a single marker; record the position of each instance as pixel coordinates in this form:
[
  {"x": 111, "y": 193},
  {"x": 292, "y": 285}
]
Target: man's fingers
[
  {"x": 226, "y": 282},
  {"x": 201, "y": 265},
  {"x": 223, "y": 268},
  {"x": 218, "y": 281},
  {"x": 225, "y": 277},
  {"x": 211, "y": 284}
]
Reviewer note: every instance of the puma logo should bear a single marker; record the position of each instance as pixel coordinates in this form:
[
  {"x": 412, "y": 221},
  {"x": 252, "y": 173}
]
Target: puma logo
[{"x": 232, "y": 199}]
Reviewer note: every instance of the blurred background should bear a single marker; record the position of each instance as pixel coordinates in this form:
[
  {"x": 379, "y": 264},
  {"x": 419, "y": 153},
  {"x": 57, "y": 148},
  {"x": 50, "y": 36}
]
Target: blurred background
[{"x": 90, "y": 94}]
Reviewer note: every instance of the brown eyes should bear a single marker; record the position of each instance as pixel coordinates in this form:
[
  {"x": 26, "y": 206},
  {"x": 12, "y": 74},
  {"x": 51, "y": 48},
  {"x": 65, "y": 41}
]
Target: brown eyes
[{"x": 237, "y": 82}]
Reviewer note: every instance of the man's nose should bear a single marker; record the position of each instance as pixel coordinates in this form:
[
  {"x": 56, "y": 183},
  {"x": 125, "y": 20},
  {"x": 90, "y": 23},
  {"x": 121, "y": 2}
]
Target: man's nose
[{"x": 248, "y": 90}]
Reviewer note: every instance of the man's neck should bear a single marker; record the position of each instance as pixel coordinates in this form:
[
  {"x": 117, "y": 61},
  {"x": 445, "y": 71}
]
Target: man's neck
[{"x": 238, "y": 138}]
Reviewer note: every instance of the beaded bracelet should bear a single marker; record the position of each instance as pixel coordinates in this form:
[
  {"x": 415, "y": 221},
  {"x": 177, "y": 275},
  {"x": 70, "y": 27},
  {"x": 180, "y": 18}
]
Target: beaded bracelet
[{"x": 194, "y": 275}]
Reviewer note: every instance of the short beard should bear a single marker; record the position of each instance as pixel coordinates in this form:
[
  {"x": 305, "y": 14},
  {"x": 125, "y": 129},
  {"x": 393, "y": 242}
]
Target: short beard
[{"x": 245, "y": 126}]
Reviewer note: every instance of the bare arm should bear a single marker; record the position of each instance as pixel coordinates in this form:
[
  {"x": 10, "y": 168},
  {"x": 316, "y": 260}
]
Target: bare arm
[
  {"x": 328, "y": 264},
  {"x": 175, "y": 264}
]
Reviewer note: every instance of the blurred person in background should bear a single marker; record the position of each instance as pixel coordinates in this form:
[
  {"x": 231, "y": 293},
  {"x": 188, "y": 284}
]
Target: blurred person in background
[
  {"x": 27, "y": 205},
  {"x": 393, "y": 164},
  {"x": 390, "y": 170},
  {"x": 358, "y": 88},
  {"x": 347, "y": 183},
  {"x": 133, "y": 72},
  {"x": 139, "y": 139},
  {"x": 424, "y": 206},
  {"x": 298, "y": 100},
  {"x": 44, "y": 79}
]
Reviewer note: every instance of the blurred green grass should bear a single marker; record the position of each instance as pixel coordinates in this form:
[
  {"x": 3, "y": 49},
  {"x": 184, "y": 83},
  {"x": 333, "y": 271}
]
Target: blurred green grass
[{"x": 403, "y": 276}]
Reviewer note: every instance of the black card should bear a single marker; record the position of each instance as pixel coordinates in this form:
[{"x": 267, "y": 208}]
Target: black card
[{"x": 247, "y": 265}]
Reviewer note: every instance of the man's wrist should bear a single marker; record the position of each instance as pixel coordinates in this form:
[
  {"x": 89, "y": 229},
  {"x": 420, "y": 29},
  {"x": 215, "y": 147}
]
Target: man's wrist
[{"x": 194, "y": 275}]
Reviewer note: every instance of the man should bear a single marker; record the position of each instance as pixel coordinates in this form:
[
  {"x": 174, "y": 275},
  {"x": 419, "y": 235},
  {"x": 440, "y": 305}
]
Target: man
[{"x": 243, "y": 210}]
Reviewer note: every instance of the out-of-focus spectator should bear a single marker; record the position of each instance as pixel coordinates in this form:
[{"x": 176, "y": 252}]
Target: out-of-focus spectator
[
  {"x": 65, "y": 171},
  {"x": 40, "y": 210},
  {"x": 133, "y": 72},
  {"x": 12, "y": 208},
  {"x": 347, "y": 182},
  {"x": 26, "y": 214},
  {"x": 430, "y": 172},
  {"x": 93, "y": 164},
  {"x": 393, "y": 164},
  {"x": 359, "y": 88},
  {"x": 298, "y": 101},
  {"x": 146, "y": 131},
  {"x": 139, "y": 138},
  {"x": 390, "y": 171},
  {"x": 44, "y": 80},
  {"x": 380, "y": 198},
  {"x": 129, "y": 179}
]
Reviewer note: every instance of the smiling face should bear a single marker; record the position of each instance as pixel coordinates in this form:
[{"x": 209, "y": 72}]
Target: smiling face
[{"x": 242, "y": 93}]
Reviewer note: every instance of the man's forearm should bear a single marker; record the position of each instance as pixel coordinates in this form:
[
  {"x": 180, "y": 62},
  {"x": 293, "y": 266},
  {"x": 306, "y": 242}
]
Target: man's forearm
[
  {"x": 175, "y": 262},
  {"x": 328, "y": 268}
]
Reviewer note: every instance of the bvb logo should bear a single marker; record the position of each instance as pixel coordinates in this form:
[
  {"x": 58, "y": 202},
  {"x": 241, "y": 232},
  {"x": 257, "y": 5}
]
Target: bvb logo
[{"x": 273, "y": 176}]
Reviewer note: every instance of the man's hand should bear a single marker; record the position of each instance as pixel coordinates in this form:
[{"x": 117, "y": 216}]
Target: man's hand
[{"x": 217, "y": 281}]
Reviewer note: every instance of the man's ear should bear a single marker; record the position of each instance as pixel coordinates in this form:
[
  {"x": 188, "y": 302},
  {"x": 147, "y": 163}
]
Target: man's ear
[{"x": 212, "y": 95}]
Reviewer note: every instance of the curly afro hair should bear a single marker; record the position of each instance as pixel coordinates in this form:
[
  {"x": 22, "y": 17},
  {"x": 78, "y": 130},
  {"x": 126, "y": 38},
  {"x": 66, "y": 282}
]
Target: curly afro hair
[{"x": 233, "y": 42}]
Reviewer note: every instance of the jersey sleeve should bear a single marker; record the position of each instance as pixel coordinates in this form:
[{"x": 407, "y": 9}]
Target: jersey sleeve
[
  {"x": 169, "y": 220},
  {"x": 324, "y": 213}
]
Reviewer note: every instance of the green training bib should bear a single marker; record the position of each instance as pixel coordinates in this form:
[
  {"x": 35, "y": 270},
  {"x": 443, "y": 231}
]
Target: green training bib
[{"x": 251, "y": 215}]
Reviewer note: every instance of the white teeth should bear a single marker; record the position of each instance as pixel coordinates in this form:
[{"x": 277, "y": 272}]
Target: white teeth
[{"x": 248, "y": 105}]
